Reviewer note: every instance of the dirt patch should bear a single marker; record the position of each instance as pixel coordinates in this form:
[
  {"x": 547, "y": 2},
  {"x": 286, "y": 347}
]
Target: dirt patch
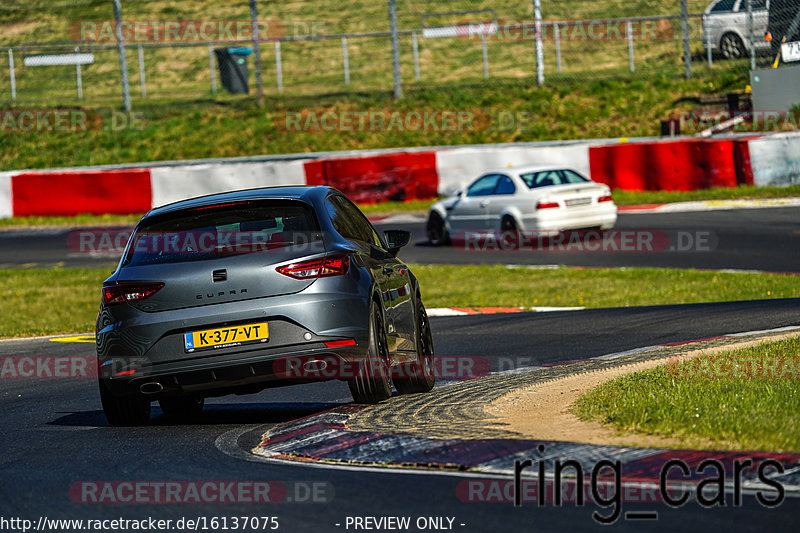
[{"x": 541, "y": 411}]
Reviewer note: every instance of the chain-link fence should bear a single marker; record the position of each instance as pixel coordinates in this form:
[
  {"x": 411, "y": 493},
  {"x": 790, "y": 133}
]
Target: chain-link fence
[{"x": 69, "y": 52}]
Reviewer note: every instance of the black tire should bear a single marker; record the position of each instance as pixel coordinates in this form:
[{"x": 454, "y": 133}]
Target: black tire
[
  {"x": 419, "y": 376},
  {"x": 130, "y": 410},
  {"x": 509, "y": 233},
  {"x": 372, "y": 383},
  {"x": 436, "y": 230},
  {"x": 183, "y": 407},
  {"x": 732, "y": 47}
]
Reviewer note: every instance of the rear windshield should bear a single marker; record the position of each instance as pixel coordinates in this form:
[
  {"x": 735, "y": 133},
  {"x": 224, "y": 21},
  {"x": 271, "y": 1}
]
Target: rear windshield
[
  {"x": 547, "y": 178},
  {"x": 210, "y": 232}
]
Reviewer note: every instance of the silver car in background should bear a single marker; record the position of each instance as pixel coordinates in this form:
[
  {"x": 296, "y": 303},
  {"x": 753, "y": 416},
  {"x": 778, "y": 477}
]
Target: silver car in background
[
  {"x": 530, "y": 198},
  {"x": 725, "y": 27}
]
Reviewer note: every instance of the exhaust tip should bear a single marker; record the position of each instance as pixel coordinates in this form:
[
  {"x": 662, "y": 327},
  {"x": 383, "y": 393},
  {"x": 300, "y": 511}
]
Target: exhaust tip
[
  {"x": 153, "y": 387},
  {"x": 315, "y": 365}
]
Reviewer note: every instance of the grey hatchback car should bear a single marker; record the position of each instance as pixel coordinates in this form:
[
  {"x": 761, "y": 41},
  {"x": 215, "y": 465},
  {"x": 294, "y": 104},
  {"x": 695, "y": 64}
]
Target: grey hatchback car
[{"x": 236, "y": 292}]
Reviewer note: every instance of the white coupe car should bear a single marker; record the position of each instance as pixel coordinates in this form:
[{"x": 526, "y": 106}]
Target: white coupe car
[{"x": 530, "y": 198}]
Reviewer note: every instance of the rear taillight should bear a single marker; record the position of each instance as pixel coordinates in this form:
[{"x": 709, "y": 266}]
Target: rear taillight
[
  {"x": 129, "y": 292},
  {"x": 606, "y": 198},
  {"x": 334, "y": 265},
  {"x": 340, "y": 344},
  {"x": 546, "y": 205}
]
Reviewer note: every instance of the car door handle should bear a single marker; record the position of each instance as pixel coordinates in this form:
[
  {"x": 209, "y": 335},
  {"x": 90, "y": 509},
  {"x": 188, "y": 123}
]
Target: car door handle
[
  {"x": 388, "y": 271},
  {"x": 484, "y": 203}
]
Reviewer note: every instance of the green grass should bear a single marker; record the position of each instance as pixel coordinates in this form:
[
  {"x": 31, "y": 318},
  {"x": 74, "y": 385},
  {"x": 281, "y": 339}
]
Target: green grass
[
  {"x": 207, "y": 128},
  {"x": 738, "y": 193},
  {"x": 498, "y": 285},
  {"x": 65, "y": 300},
  {"x": 315, "y": 66},
  {"x": 78, "y": 220},
  {"x": 757, "y": 412},
  {"x": 47, "y": 301}
]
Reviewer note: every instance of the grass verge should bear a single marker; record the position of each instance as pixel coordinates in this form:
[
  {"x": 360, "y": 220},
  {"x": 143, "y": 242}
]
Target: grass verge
[
  {"x": 738, "y": 399},
  {"x": 65, "y": 300},
  {"x": 498, "y": 285},
  {"x": 572, "y": 109}
]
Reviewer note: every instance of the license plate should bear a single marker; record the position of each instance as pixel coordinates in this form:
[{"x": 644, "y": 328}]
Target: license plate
[
  {"x": 790, "y": 51},
  {"x": 577, "y": 201},
  {"x": 226, "y": 337}
]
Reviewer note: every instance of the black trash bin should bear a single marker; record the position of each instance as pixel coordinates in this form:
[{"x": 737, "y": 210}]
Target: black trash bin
[{"x": 232, "y": 64}]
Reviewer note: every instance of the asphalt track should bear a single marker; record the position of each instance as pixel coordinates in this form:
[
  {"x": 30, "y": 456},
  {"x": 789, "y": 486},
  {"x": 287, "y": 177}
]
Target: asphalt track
[
  {"x": 54, "y": 434},
  {"x": 746, "y": 239}
]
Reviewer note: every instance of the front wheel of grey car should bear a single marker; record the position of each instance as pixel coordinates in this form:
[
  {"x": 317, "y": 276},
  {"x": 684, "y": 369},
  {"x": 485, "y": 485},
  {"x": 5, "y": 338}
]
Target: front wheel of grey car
[
  {"x": 420, "y": 375},
  {"x": 124, "y": 410},
  {"x": 182, "y": 408},
  {"x": 371, "y": 383}
]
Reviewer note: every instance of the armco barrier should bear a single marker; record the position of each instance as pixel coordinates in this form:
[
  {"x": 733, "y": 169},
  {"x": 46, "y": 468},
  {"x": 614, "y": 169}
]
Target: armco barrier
[
  {"x": 170, "y": 184},
  {"x": 368, "y": 177},
  {"x": 6, "y": 202},
  {"x": 683, "y": 165},
  {"x": 70, "y": 193},
  {"x": 742, "y": 162},
  {"x": 776, "y": 159},
  {"x": 401, "y": 176}
]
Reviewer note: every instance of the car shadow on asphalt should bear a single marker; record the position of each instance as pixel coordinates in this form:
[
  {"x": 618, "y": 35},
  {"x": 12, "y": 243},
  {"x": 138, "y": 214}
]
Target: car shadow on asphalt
[{"x": 214, "y": 414}]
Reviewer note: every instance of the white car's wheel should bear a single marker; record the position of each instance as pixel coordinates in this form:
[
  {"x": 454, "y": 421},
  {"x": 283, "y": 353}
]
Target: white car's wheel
[{"x": 436, "y": 230}]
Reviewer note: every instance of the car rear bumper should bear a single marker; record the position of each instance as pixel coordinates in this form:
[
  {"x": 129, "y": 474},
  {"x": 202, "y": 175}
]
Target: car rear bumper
[
  {"x": 135, "y": 348},
  {"x": 269, "y": 368},
  {"x": 561, "y": 219}
]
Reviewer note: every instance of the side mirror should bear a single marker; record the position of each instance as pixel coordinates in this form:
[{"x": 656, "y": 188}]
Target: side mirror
[
  {"x": 396, "y": 239},
  {"x": 460, "y": 193}
]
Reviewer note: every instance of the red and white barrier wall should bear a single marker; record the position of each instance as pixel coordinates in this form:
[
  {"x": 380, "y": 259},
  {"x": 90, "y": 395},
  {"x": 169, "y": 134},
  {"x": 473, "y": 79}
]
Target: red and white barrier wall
[{"x": 682, "y": 164}]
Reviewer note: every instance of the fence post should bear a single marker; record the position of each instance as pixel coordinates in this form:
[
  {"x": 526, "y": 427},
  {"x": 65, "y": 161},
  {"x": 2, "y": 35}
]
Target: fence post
[
  {"x": 750, "y": 35},
  {"x": 631, "y": 60},
  {"x": 257, "y": 52},
  {"x": 687, "y": 51},
  {"x": 398, "y": 88},
  {"x": 12, "y": 75},
  {"x": 142, "y": 75},
  {"x": 346, "y": 61},
  {"x": 278, "y": 65},
  {"x": 415, "y": 48},
  {"x": 485, "y": 51},
  {"x": 709, "y": 53},
  {"x": 537, "y": 17},
  {"x": 557, "y": 36},
  {"x": 78, "y": 76},
  {"x": 123, "y": 62},
  {"x": 212, "y": 69}
]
